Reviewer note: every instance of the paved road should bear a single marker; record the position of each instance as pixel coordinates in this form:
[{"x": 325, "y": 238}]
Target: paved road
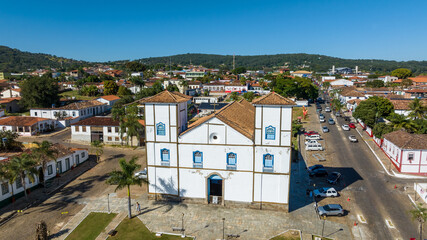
[{"x": 373, "y": 190}]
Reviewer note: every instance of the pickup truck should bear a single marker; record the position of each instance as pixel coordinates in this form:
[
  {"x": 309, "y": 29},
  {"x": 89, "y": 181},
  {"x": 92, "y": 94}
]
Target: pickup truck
[{"x": 325, "y": 192}]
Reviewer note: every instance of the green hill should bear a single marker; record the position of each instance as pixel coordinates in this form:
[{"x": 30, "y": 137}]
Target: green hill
[
  {"x": 318, "y": 63},
  {"x": 14, "y": 60}
]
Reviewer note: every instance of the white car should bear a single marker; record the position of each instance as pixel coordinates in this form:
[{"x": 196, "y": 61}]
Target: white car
[
  {"x": 345, "y": 127},
  {"x": 322, "y": 120},
  {"x": 327, "y": 109},
  {"x": 311, "y": 142},
  {"x": 352, "y": 138},
  {"x": 141, "y": 174},
  {"x": 325, "y": 192}
]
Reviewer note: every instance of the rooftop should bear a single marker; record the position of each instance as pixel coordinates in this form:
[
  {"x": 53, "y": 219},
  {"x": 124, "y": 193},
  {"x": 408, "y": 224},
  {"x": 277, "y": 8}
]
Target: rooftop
[
  {"x": 78, "y": 105},
  {"x": 405, "y": 140},
  {"x": 97, "y": 121},
  {"x": 166, "y": 97},
  {"x": 110, "y": 97},
  {"x": 20, "y": 121},
  {"x": 273, "y": 99}
]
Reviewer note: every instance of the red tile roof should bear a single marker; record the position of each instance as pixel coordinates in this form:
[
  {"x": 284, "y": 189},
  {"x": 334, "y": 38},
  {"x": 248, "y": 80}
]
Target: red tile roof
[
  {"x": 110, "y": 97},
  {"x": 273, "y": 99},
  {"x": 20, "y": 121}
]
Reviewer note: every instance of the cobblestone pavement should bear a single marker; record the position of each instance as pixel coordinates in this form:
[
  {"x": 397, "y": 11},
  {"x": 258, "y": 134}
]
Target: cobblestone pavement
[{"x": 205, "y": 221}]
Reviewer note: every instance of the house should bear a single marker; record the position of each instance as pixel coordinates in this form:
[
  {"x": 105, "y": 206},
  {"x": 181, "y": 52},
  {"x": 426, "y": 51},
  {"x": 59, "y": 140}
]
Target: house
[
  {"x": 401, "y": 106},
  {"x": 71, "y": 113},
  {"x": 416, "y": 81},
  {"x": 67, "y": 159},
  {"x": 239, "y": 155},
  {"x": 207, "y": 99},
  {"x": 326, "y": 78},
  {"x": 194, "y": 74},
  {"x": 26, "y": 126},
  {"x": 214, "y": 87},
  {"x": 407, "y": 152},
  {"x": 350, "y": 94},
  {"x": 416, "y": 93},
  {"x": 11, "y": 93},
  {"x": 194, "y": 85},
  {"x": 341, "y": 82},
  {"x": 109, "y": 100},
  {"x": 10, "y": 105},
  {"x": 301, "y": 73},
  {"x": 236, "y": 87},
  {"x": 387, "y": 79}
]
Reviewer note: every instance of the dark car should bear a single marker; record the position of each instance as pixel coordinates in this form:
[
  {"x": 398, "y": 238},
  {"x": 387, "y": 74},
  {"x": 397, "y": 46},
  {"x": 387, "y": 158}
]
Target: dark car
[
  {"x": 334, "y": 177},
  {"x": 314, "y": 167},
  {"x": 320, "y": 172}
]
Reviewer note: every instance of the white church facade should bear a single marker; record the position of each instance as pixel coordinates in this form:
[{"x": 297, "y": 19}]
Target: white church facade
[{"x": 240, "y": 154}]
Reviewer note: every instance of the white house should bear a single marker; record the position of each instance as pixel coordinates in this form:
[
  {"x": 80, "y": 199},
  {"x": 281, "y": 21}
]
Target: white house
[
  {"x": 109, "y": 100},
  {"x": 407, "y": 152},
  {"x": 68, "y": 158},
  {"x": 236, "y": 87},
  {"x": 214, "y": 87},
  {"x": 71, "y": 113},
  {"x": 348, "y": 94},
  {"x": 341, "y": 82},
  {"x": 10, "y": 93},
  {"x": 387, "y": 78},
  {"x": 26, "y": 126},
  {"x": 239, "y": 155},
  {"x": 327, "y": 78}
]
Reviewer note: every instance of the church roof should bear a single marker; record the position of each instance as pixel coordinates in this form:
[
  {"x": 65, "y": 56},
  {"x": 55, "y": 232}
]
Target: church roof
[
  {"x": 273, "y": 99},
  {"x": 238, "y": 115},
  {"x": 166, "y": 97}
]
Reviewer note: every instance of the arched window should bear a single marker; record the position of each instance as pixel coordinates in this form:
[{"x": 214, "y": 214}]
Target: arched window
[
  {"x": 270, "y": 133},
  {"x": 161, "y": 130},
  {"x": 231, "y": 161},
  {"x": 165, "y": 156},
  {"x": 197, "y": 159},
  {"x": 268, "y": 163}
]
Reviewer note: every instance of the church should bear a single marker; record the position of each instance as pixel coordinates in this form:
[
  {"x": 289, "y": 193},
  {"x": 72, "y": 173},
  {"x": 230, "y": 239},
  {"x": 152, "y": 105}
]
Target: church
[{"x": 238, "y": 155}]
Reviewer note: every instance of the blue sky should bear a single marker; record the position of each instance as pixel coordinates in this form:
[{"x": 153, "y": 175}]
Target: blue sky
[{"x": 112, "y": 30}]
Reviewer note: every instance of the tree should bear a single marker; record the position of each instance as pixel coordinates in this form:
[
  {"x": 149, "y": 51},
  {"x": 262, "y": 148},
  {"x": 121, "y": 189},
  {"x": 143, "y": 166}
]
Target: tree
[
  {"x": 375, "y": 84},
  {"x": 8, "y": 141},
  {"x": 135, "y": 66},
  {"x": 125, "y": 177},
  {"x": 89, "y": 90},
  {"x": 110, "y": 88},
  {"x": 234, "y": 96},
  {"x": 44, "y": 153},
  {"x": 380, "y": 129},
  {"x": 130, "y": 124},
  {"x": 39, "y": 92},
  {"x": 23, "y": 166},
  {"x": 123, "y": 91},
  {"x": 337, "y": 105},
  {"x": 172, "y": 88},
  {"x": 239, "y": 70},
  {"x": 326, "y": 85},
  {"x": 419, "y": 214},
  {"x": 97, "y": 149},
  {"x": 418, "y": 109},
  {"x": 400, "y": 122},
  {"x": 6, "y": 173},
  {"x": 138, "y": 81},
  {"x": 370, "y": 110},
  {"x": 406, "y": 83},
  {"x": 249, "y": 96},
  {"x": 41, "y": 231},
  {"x": 401, "y": 73}
]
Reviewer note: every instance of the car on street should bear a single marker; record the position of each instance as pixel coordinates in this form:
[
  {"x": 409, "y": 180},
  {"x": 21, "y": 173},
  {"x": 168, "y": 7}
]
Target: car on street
[
  {"x": 352, "y": 138},
  {"x": 325, "y": 129},
  {"x": 322, "y": 120},
  {"x": 141, "y": 174},
  {"x": 334, "y": 177},
  {"x": 330, "y": 210},
  {"x": 311, "y": 142},
  {"x": 331, "y": 121},
  {"x": 321, "y": 115},
  {"x": 337, "y": 114},
  {"x": 325, "y": 192},
  {"x": 314, "y": 147},
  {"x": 345, "y": 127},
  {"x": 309, "y": 133},
  {"x": 319, "y": 172},
  {"x": 352, "y": 125},
  {"x": 327, "y": 109},
  {"x": 319, "y": 107}
]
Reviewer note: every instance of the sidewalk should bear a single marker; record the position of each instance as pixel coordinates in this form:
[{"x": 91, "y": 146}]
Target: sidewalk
[{"x": 381, "y": 157}]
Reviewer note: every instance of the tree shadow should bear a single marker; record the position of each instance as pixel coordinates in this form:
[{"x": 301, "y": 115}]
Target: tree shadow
[
  {"x": 168, "y": 192},
  {"x": 58, "y": 234}
]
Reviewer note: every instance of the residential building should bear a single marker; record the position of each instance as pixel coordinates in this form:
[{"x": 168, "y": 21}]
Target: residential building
[
  {"x": 350, "y": 94},
  {"x": 301, "y": 73},
  {"x": 109, "y": 100},
  {"x": 239, "y": 155},
  {"x": 71, "y": 113},
  {"x": 401, "y": 106},
  {"x": 387, "y": 79},
  {"x": 192, "y": 75},
  {"x": 341, "y": 82},
  {"x": 11, "y": 93},
  {"x": 406, "y": 151},
  {"x": 26, "y": 126},
  {"x": 236, "y": 87},
  {"x": 214, "y": 87},
  {"x": 10, "y": 105}
]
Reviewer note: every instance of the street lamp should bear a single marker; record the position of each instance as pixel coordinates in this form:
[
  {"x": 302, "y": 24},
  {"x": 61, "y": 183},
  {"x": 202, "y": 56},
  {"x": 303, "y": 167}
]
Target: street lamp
[
  {"x": 223, "y": 228},
  {"x": 108, "y": 202}
]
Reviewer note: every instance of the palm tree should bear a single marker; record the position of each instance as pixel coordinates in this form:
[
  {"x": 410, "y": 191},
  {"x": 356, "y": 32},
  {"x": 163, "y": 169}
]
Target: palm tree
[
  {"x": 418, "y": 110},
  {"x": 98, "y": 148},
  {"x": 124, "y": 178},
  {"x": 399, "y": 122},
  {"x": 133, "y": 129},
  {"x": 419, "y": 214},
  {"x": 5, "y": 173},
  {"x": 44, "y": 153},
  {"x": 23, "y": 166}
]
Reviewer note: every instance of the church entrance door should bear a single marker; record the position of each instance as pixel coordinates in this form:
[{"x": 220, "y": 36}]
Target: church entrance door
[{"x": 215, "y": 189}]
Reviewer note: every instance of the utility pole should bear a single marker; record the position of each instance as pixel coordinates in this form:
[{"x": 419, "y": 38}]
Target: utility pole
[{"x": 234, "y": 61}]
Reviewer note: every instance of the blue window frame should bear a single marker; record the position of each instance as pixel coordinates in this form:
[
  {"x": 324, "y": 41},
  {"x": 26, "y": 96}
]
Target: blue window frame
[
  {"x": 161, "y": 130},
  {"x": 165, "y": 156},
  {"x": 197, "y": 159},
  {"x": 231, "y": 161},
  {"x": 270, "y": 133},
  {"x": 268, "y": 161}
]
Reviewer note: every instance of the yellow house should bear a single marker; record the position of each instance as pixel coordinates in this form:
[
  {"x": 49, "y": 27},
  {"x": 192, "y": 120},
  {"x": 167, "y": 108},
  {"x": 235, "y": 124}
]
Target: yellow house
[{"x": 1, "y": 75}]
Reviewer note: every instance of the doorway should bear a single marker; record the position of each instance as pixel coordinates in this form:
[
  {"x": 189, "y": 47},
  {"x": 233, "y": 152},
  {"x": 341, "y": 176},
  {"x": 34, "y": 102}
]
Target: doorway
[
  {"x": 41, "y": 176},
  {"x": 215, "y": 189}
]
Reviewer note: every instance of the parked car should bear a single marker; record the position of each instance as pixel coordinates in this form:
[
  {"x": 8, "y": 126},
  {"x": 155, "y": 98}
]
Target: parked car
[
  {"x": 345, "y": 127},
  {"x": 325, "y": 129},
  {"x": 321, "y": 115},
  {"x": 314, "y": 147},
  {"x": 351, "y": 125},
  {"x": 311, "y": 142},
  {"x": 310, "y": 133},
  {"x": 313, "y": 137},
  {"x": 331, "y": 121},
  {"x": 319, "y": 107},
  {"x": 334, "y": 177},
  {"x": 337, "y": 114},
  {"x": 141, "y": 174},
  {"x": 330, "y": 210},
  {"x": 325, "y": 192},
  {"x": 352, "y": 138},
  {"x": 327, "y": 109},
  {"x": 314, "y": 167},
  {"x": 320, "y": 172},
  {"x": 322, "y": 120}
]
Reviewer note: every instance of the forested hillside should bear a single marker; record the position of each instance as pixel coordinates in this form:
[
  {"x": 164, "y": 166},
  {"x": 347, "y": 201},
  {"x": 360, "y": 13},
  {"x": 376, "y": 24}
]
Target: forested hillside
[{"x": 14, "y": 60}]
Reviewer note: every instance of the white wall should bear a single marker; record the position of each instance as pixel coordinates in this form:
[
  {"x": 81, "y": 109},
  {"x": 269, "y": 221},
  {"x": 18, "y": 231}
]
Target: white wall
[
  {"x": 271, "y": 188},
  {"x": 278, "y": 117}
]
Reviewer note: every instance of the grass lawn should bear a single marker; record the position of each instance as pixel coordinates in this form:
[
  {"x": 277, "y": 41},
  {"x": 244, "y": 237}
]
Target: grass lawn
[
  {"x": 91, "y": 226},
  {"x": 75, "y": 93},
  {"x": 297, "y": 112},
  {"x": 289, "y": 235},
  {"x": 134, "y": 229}
]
